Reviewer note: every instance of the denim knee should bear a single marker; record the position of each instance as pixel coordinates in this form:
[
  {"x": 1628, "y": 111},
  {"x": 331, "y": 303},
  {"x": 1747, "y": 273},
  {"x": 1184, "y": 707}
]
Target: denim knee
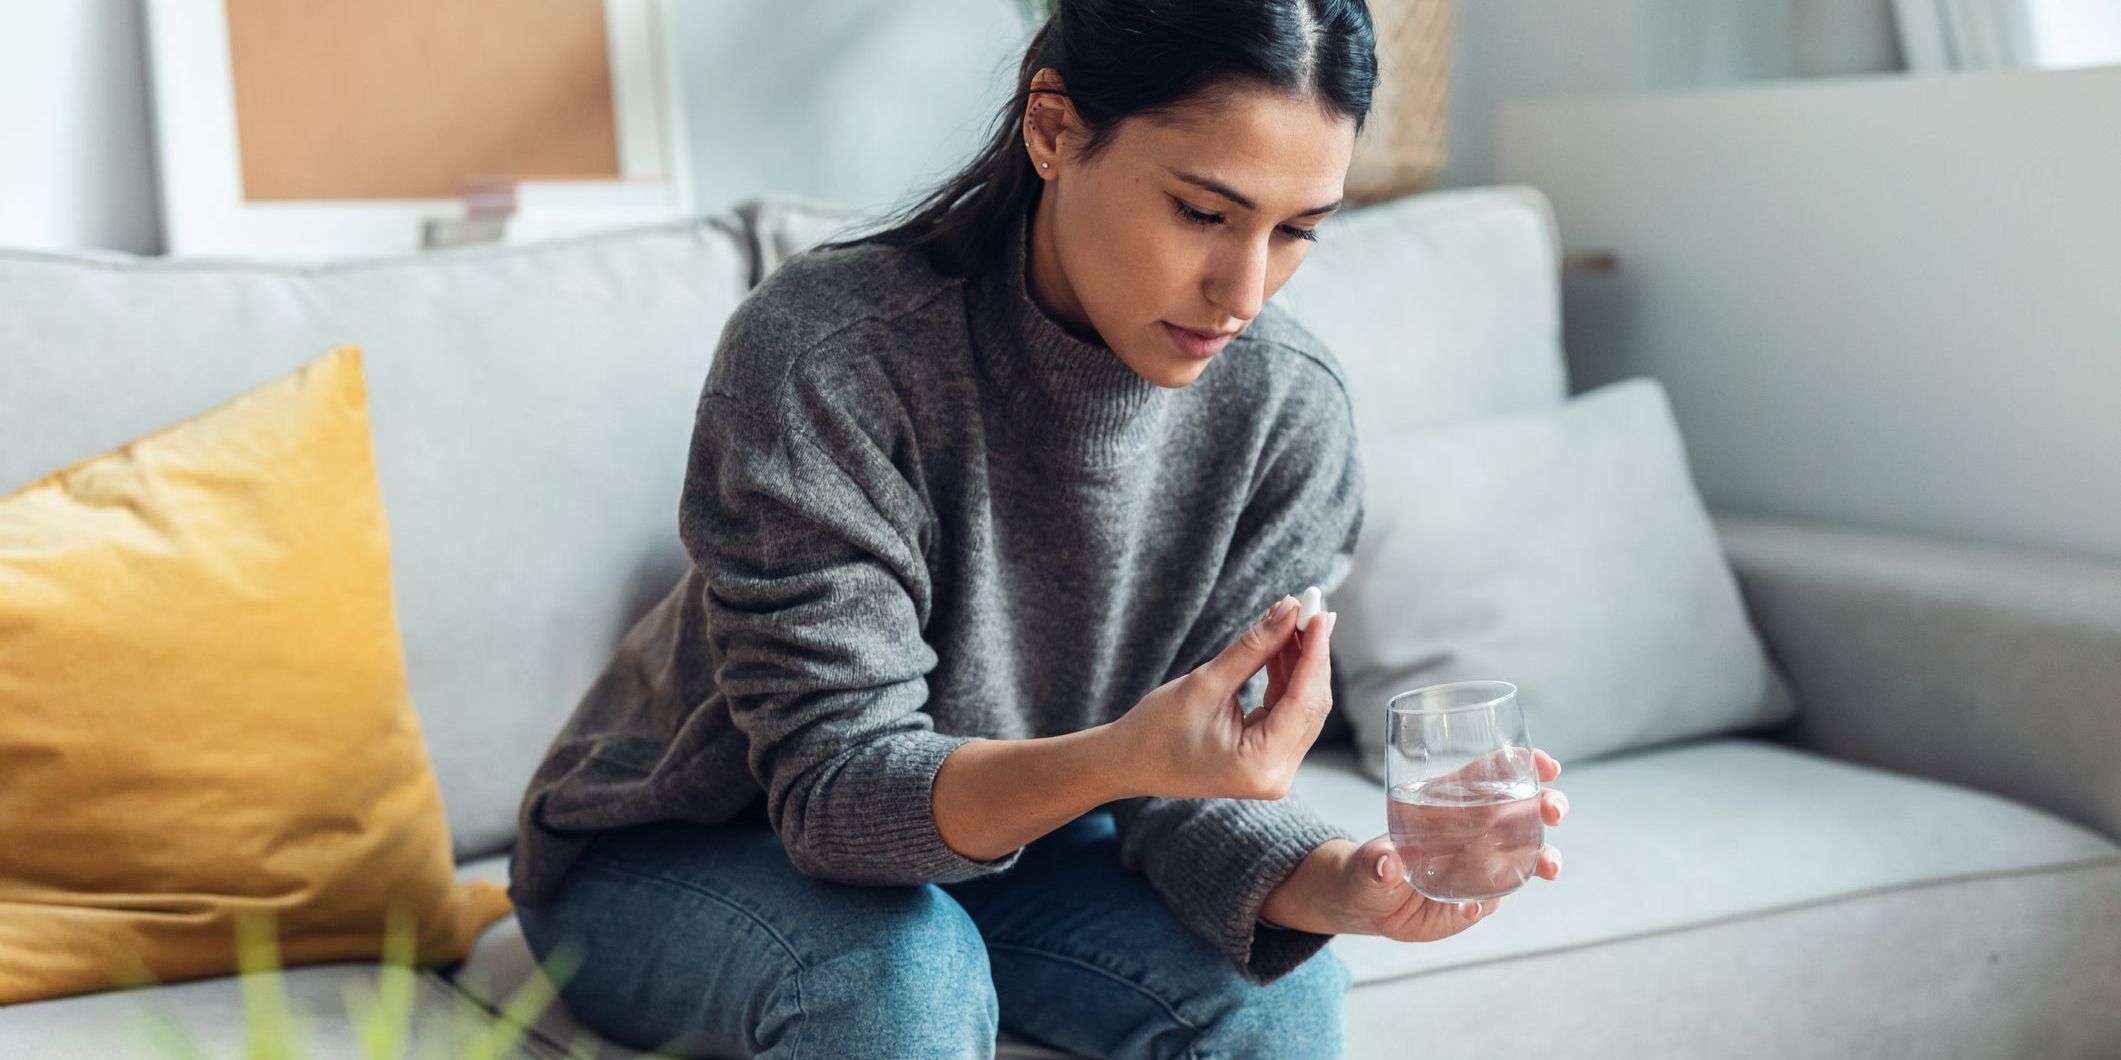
[
  {"x": 1301, "y": 1014},
  {"x": 910, "y": 979}
]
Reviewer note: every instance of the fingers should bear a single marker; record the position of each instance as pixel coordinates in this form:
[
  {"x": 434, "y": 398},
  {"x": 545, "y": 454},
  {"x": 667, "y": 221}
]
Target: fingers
[
  {"x": 1379, "y": 862},
  {"x": 1502, "y": 765},
  {"x": 1509, "y": 764},
  {"x": 1243, "y": 657},
  {"x": 1278, "y": 671},
  {"x": 1549, "y": 863},
  {"x": 1309, "y": 688},
  {"x": 1553, "y": 806}
]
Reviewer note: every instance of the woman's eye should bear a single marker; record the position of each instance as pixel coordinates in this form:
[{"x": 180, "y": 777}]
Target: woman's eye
[
  {"x": 1196, "y": 216},
  {"x": 1204, "y": 219}
]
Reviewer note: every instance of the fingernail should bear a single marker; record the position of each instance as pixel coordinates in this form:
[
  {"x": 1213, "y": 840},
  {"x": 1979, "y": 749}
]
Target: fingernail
[
  {"x": 1281, "y": 607},
  {"x": 1381, "y": 859}
]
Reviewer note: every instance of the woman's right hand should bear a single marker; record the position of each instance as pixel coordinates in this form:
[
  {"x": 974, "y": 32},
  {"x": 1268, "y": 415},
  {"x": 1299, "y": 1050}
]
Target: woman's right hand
[{"x": 1190, "y": 738}]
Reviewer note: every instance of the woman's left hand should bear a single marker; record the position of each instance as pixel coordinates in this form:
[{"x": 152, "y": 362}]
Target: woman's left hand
[{"x": 1334, "y": 891}]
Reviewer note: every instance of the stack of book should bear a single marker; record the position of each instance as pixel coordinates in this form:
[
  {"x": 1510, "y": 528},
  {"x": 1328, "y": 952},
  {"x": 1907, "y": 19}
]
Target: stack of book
[{"x": 518, "y": 209}]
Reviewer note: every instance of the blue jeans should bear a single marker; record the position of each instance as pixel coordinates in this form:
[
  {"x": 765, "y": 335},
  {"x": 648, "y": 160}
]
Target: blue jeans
[{"x": 704, "y": 940}]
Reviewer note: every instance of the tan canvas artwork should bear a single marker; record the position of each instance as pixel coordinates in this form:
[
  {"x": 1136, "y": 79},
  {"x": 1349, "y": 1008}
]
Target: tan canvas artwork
[{"x": 383, "y": 99}]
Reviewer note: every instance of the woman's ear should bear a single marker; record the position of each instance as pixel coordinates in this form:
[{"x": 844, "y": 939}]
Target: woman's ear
[{"x": 1049, "y": 122}]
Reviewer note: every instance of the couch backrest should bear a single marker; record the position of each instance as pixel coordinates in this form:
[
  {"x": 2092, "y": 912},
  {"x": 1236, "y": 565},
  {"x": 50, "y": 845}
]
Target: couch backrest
[
  {"x": 1441, "y": 307},
  {"x": 532, "y": 412},
  {"x": 533, "y": 408}
]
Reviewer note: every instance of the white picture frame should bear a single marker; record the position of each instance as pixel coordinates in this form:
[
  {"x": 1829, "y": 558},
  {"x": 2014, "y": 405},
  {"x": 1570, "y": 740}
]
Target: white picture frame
[{"x": 204, "y": 211}]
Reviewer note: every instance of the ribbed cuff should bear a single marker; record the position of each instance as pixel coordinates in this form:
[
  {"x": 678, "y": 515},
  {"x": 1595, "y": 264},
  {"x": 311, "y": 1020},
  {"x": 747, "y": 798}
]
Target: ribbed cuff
[
  {"x": 883, "y": 828},
  {"x": 1225, "y": 862}
]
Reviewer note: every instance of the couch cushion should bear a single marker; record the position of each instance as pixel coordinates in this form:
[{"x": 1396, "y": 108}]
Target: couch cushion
[
  {"x": 782, "y": 225},
  {"x": 1563, "y": 549},
  {"x": 206, "y": 705},
  {"x": 1737, "y": 897},
  {"x": 1699, "y": 832},
  {"x": 1981, "y": 968},
  {"x": 532, "y": 411},
  {"x": 1440, "y": 307}
]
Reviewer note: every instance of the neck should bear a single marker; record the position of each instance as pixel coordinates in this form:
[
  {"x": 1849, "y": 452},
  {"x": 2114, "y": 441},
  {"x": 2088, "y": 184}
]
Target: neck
[
  {"x": 1069, "y": 397},
  {"x": 1047, "y": 283}
]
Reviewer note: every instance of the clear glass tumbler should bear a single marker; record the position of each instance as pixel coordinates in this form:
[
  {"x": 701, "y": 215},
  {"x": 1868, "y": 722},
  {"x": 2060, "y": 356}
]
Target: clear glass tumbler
[{"x": 1462, "y": 790}]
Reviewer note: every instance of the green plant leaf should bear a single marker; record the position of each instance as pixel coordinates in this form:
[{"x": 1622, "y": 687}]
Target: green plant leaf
[
  {"x": 528, "y": 1003},
  {"x": 382, "y": 1015},
  {"x": 362, "y": 1013},
  {"x": 268, "y": 1026},
  {"x": 396, "y": 987}
]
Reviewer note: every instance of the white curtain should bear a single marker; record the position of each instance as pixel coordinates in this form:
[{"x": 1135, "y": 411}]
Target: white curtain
[
  {"x": 2070, "y": 33},
  {"x": 1942, "y": 35}
]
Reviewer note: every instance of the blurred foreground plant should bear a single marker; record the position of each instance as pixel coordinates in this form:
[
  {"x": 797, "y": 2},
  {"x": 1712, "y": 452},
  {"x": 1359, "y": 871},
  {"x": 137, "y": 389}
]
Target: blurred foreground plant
[{"x": 381, "y": 1015}]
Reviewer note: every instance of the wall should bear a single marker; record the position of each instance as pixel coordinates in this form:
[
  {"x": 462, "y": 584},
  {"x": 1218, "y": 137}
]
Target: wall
[
  {"x": 857, "y": 102},
  {"x": 1515, "y": 50},
  {"x": 1890, "y": 301},
  {"x": 76, "y": 147}
]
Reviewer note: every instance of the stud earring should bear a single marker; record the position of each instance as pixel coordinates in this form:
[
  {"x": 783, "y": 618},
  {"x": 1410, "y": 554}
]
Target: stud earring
[{"x": 1045, "y": 165}]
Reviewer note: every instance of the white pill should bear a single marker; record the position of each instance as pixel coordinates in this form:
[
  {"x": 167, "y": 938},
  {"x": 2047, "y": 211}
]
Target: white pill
[{"x": 1310, "y": 603}]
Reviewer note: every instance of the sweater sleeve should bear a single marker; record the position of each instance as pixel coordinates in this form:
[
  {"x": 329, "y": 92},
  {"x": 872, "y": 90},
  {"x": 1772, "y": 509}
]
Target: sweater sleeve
[
  {"x": 1215, "y": 860},
  {"x": 816, "y": 590}
]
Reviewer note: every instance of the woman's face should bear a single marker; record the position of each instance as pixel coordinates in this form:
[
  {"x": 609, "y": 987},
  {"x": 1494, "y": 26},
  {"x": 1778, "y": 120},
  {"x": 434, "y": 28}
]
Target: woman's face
[{"x": 1190, "y": 221}]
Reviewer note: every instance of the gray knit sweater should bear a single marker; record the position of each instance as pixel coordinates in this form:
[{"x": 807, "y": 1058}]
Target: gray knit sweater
[{"x": 919, "y": 511}]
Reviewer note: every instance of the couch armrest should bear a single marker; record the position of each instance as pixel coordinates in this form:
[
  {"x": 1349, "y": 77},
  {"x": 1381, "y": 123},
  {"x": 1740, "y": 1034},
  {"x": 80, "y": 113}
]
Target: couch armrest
[{"x": 1994, "y": 667}]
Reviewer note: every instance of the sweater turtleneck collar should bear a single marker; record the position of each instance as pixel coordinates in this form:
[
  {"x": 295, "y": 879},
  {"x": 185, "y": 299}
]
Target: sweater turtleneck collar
[{"x": 1076, "y": 400}]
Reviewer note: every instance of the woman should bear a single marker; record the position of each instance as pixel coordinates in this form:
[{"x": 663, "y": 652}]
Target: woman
[{"x": 942, "y": 732}]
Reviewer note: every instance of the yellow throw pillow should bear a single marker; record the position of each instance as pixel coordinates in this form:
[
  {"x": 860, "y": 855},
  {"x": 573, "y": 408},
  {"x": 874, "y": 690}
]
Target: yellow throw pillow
[{"x": 204, "y": 709}]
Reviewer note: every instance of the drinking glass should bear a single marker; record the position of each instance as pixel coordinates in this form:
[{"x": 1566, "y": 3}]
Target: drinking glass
[{"x": 1462, "y": 790}]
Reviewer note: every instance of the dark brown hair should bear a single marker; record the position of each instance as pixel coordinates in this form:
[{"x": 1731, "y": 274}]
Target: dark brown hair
[{"x": 1126, "y": 58}]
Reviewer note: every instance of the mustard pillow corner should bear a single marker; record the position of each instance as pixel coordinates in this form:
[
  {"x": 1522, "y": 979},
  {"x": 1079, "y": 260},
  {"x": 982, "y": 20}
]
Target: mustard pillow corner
[{"x": 206, "y": 709}]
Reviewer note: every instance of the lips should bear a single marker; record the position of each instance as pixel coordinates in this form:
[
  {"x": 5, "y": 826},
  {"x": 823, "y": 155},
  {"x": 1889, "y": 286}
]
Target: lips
[
  {"x": 1196, "y": 343},
  {"x": 1205, "y": 333}
]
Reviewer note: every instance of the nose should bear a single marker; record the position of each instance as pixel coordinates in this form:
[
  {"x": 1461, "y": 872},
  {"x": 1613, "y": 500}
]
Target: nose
[{"x": 1237, "y": 281}]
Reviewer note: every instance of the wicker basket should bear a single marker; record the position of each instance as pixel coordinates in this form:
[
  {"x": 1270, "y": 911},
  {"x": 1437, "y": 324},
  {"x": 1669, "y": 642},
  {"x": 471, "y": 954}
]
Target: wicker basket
[{"x": 1402, "y": 146}]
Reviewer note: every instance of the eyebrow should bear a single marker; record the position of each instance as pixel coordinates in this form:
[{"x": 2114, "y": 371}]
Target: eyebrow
[{"x": 1232, "y": 194}]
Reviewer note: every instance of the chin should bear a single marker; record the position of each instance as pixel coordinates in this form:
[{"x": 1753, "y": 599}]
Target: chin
[
  {"x": 1182, "y": 373},
  {"x": 1156, "y": 362},
  {"x": 1169, "y": 372}
]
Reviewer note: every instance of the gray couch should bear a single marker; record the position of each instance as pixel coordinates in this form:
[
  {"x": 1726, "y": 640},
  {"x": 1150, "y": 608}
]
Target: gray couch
[{"x": 1922, "y": 864}]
